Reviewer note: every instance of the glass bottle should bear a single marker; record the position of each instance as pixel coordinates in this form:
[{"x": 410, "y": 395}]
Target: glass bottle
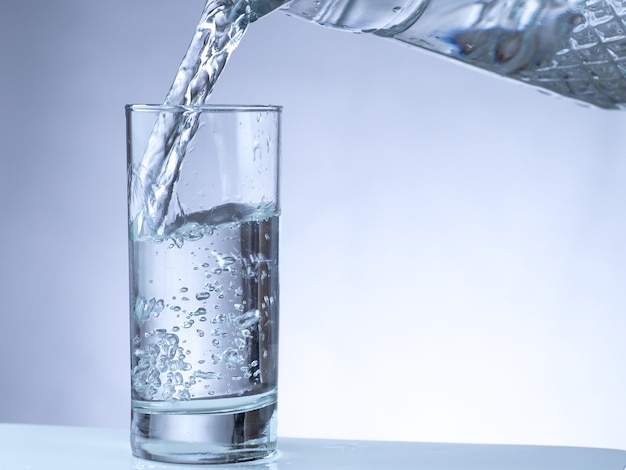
[{"x": 570, "y": 47}]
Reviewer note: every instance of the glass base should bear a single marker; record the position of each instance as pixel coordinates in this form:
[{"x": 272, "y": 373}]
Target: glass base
[{"x": 204, "y": 437}]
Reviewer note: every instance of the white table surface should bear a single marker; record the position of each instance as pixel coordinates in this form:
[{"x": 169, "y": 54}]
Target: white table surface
[{"x": 30, "y": 447}]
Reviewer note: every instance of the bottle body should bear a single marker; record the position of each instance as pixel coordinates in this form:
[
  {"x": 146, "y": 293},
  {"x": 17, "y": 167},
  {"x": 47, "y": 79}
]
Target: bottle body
[
  {"x": 575, "y": 48},
  {"x": 365, "y": 16}
]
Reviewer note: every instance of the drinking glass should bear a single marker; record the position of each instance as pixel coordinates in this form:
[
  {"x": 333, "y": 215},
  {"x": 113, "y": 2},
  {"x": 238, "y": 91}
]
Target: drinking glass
[{"x": 203, "y": 205}]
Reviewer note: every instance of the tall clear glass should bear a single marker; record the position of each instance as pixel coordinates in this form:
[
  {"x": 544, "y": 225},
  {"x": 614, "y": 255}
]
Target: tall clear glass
[{"x": 203, "y": 235}]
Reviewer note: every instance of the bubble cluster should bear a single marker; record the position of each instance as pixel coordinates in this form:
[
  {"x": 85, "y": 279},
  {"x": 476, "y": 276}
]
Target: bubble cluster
[
  {"x": 164, "y": 355},
  {"x": 144, "y": 309}
]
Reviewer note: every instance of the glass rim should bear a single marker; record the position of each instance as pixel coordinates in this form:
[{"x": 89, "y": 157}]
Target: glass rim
[{"x": 205, "y": 108}]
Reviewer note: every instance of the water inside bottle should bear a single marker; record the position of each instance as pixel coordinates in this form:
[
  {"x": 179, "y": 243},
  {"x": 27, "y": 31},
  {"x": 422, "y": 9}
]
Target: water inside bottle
[{"x": 574, "y": 49}]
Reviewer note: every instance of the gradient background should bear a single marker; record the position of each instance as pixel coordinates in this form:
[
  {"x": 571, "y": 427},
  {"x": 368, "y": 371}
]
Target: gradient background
[{"x": 453, "y": 245}]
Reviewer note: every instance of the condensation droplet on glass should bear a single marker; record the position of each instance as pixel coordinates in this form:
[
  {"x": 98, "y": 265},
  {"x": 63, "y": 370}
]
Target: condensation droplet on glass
[{"x": 257, "y": 151}]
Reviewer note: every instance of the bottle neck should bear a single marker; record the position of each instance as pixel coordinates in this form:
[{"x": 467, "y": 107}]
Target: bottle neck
[
  {"x": 383, "y": 17},
  {"x": 261, "y": 8}
]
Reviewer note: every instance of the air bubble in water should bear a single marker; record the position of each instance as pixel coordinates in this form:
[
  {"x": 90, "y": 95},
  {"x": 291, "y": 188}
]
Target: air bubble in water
[
  {"x": 200, "y": 374},
  {"x": 224, "y": 261},
  {"x": 202, "y": 295},
  {"x": 178, "y": 378},
  {"x": 232, "y": 357},
  {"x": 220, "y": 318},
  {"x": 248, "y": 319}
]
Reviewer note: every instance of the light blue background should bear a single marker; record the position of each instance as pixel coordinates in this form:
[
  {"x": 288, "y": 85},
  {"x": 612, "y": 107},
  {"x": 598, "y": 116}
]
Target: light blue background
[{"x": 453, "y": 245}]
